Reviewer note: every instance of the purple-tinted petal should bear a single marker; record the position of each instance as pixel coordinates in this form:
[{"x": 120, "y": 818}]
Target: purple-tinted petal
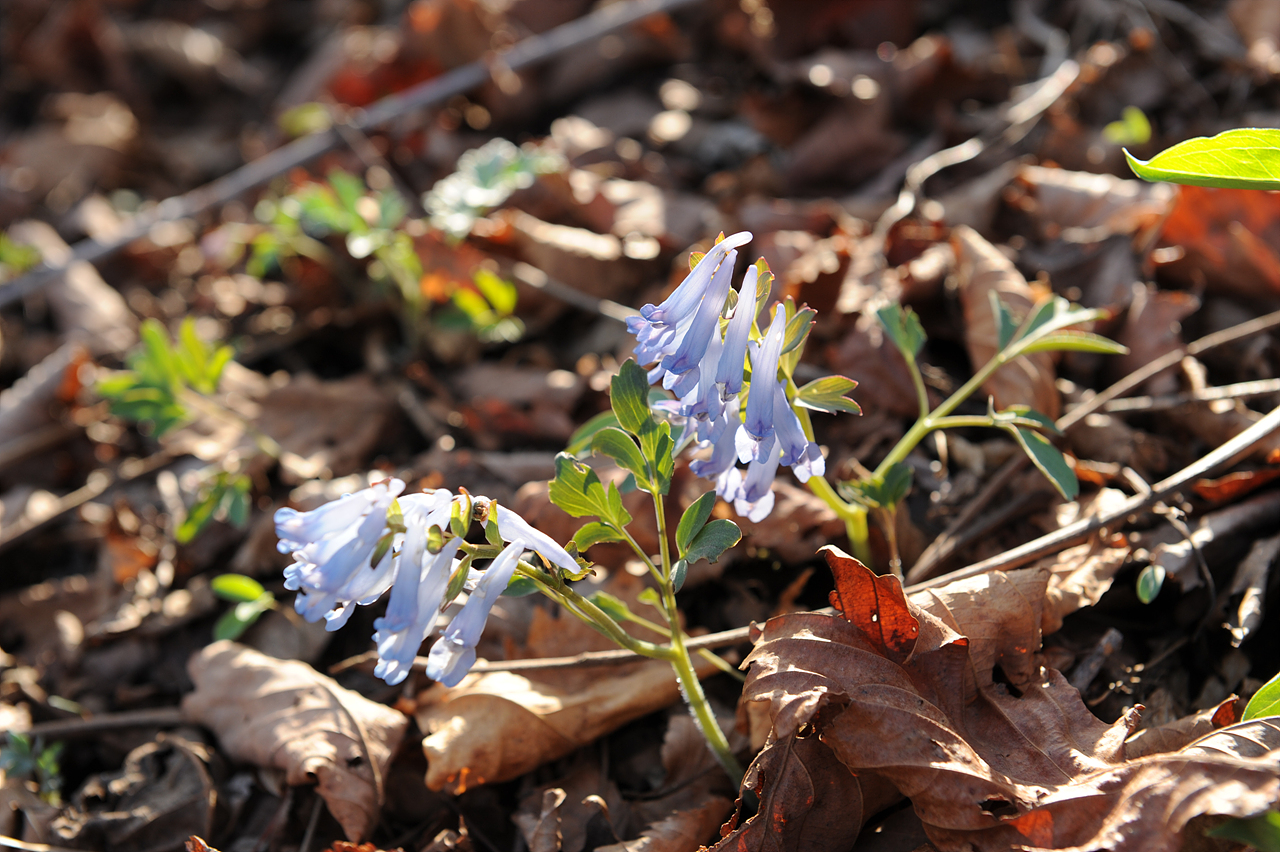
[
  {"x": 455, "y": 651},
  {"x": 764, "y": 379},
  {"x": 298, "y": 529},
  {"x": 755, "y": 498},
  {"x": 733, "y": 358},
  {"x": 706, "y": 321},
  {"x": 514, "y": 528},
  {"x": 803, "y": 456}
]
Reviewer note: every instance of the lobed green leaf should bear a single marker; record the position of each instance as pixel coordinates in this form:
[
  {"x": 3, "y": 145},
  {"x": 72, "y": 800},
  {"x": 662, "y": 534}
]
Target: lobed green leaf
[{"x": 828, "y": 394}]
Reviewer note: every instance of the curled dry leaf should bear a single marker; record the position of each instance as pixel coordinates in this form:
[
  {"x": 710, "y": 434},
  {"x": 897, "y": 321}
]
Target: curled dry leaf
[
  {"x": 497, "y": 726},
  {"x": 982, "y": 269},
  {"x": 1182, "y": 732},
  {"x": 286, "y": 714},
  {"x": 887, "y": 688}
]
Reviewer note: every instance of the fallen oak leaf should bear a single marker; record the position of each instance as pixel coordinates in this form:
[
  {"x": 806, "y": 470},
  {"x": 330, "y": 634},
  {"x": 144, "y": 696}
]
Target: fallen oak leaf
[
  {"x": 1000, "y": 769},
  {"x": 283, "y": 713}
]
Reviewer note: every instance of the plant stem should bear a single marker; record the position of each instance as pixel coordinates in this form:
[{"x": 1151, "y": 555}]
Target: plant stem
[
  {"x": 690, "y": 686},
  {"x": 854, "y": 517}
]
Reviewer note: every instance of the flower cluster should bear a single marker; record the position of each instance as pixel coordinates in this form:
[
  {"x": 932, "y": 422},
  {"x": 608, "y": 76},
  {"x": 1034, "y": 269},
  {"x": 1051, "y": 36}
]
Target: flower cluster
[
  {"x": 704, "y": 366},
  {"x": 349, "y": 552}
]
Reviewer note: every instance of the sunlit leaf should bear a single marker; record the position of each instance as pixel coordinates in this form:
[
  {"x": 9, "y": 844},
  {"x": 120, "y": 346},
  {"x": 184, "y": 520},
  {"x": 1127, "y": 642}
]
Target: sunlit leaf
[
  {"x": 1150, "y": 581},
  {"x": 1244, "y": 158},
  {"x": 236, "y": 587},
  {"x": 1265, "y": 702},
  {"x": 1051, "y": 463},
  {"x": 828, "y": 394},
  {"x": 694, "y": 519}
]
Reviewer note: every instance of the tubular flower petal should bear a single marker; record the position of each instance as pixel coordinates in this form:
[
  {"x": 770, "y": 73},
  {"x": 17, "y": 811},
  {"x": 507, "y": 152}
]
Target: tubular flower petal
[
  {"x": 754, "y": 498},
  {"x": 660, "y": 330},
  {"x": 758, "y": 421},
  {"x": 514, "y": 528},
  {"x": 421, "y": 585},
  {"x": 298, "y": 529},
  {"x": 454, "y": 653},
  {"x": 706, "y": 320},
  {"x": 803, "y": 456},
  {"x": 734, "y": 356}
]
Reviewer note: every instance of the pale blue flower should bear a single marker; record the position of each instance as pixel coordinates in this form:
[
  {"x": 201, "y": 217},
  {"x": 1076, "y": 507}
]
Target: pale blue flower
[
  {"x": 660, "y": 330},
  {"x": 757, "y": 422},
  {"x": 415, "y": 602},
  {"x": 512, "y": 528},
  {"x": 803, "y": 456},
  {"x": 332, "y": 548},
  {"x": 753, "y": 498},
  {"x": 453, "y": 654},
  {"x": 734, "y": 356}
]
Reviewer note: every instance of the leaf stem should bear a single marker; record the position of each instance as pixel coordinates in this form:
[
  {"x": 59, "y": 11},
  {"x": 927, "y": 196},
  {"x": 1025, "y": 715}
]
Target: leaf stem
[{"x": 690, "y": 685}]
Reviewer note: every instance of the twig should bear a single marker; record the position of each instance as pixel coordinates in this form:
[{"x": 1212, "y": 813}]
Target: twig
[
  {"x": 942, "y": 547},
  {"x": 99, "y": 483},
  {"x": 15, "y": 843},
  {"x": 1073, "y": 533},
  {"x": 64, "y": 729},
  {"x": 1260, "y": 387},
  {"x": 437, "y": 90}
]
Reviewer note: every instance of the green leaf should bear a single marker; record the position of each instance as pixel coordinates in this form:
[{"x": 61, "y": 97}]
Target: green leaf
[
  {"x": 1265, "y": 702},
  {"x": 202, "y": 511},
  {"x": 659, "y": 450},
  {"x": 500, "y": 292},
  {"x": 1133, "y": 128},
  {"x": 713, "y": 540},
  {"x": 1025, "y": 415},
  {"x": 236, "y": 587},
  {"x": 629, "y": 397},
  {"x": 1262, "y": 832},
  {"x": 1051, "y": 463},
  {"x": 1150, "y": 581},
  {"x": 235, "y": 621},
  {"x": 881, "y": 491},
  {"x": 459, "y": 519},
  {"x": 903, "y": 328},
  {"x": 578, "y": 490},
  {"x": 621, "y": 447},
  {"x": 798, "y": 328},
  {"x": 491, "y": 532},
  {"x": 679, "y": 573},
  {"x": 616, "y": 608},
  {"x": 694, "y": 519},
  {"x": 458, "y": 579},
  {"x": 649, "y": 596},
  {"x": 1244, "y": 158},
  {"x": 580, "y": 440},
  {"x": 595, "y": 532},
  {"x": 348, "y": 188},
  {"x": 1005, "y": 323},
  {"x": 519, "y": 587},
  {"x": 1075, "y": 341},
  {"x": 828, "y": 394}
]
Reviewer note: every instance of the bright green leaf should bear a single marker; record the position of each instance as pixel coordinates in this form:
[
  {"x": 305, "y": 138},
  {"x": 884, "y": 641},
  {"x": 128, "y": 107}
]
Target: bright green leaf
[
  {"x": 1075, "y": 341},
  {"x": 595, "y": 532},
  {"x": 797, "y": 330},
  {"x": 828, "y": 394},
  {"x": 1265, "y": 702},
  {"x": 694, "y": 519},
  {"x": 580, "y": 440},
  {"x": 616, "y": 608},
  {"x": 578, "y": 490},
  {"x": 1133, "y": 128},
  {"x": 236, "y": 587},
  {"x": 904, "y": 329},
  {"x": 629, "y": 397},
  {"x": 621, "y": 447},
  {"x": 1244, "y": 158}
]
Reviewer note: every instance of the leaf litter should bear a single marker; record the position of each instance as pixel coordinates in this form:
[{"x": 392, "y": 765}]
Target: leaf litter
[{"x": 810, "y": 126}]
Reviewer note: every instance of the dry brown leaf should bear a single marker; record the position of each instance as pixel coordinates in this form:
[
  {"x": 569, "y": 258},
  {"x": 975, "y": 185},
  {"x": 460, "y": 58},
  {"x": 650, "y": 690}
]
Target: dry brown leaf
[
  {"x": 162, "y": 795},
  {"x": 981, "y": 270},
  {"x": 1152, "y": 329},
  {"x": 1085, "y": 207},
  {"x": 1182, "y": 732},
  {"x": 683, "y": 831},
  {"x": 285, "y": 714},
  {"x": 497, "y": 726},
  {"x": 884, "y": 688}
]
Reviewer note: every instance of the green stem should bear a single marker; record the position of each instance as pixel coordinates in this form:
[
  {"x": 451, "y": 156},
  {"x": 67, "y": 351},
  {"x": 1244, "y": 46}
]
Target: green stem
[
  {"x": 927, "y": 423},
  {"x": 854, "y": 517},
  {"x": 706, "y": 654},
  {"x": 690, "y": 685}
]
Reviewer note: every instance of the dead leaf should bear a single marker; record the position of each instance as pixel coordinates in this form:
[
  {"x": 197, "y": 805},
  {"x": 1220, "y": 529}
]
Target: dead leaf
[
  {"x": 1081, "y": 207},
  {"x": 1180, "y": 557},
  {"x": 287, "y": 715},
  {"x": 683, "y": 831},
  {"x": 162, "y": 795},
  {"x": 994, "y": 768},
  {"x": 982, "y": 269},
  {"x": 1225, "y": 238},
  {"x": 1152, "y": 329},
  {"x": 1182, "y": 732}
]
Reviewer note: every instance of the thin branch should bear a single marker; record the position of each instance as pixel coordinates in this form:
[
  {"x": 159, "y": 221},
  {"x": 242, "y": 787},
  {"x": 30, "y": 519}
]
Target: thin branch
[{"x": 437, "y": 90}]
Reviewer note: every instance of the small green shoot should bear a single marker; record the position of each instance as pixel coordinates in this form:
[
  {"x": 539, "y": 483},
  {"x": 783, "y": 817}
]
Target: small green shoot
[{"x": 250, "y": 602}]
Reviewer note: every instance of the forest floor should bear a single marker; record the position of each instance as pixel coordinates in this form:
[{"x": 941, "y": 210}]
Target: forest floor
[{"x": 920, "y": 152}]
